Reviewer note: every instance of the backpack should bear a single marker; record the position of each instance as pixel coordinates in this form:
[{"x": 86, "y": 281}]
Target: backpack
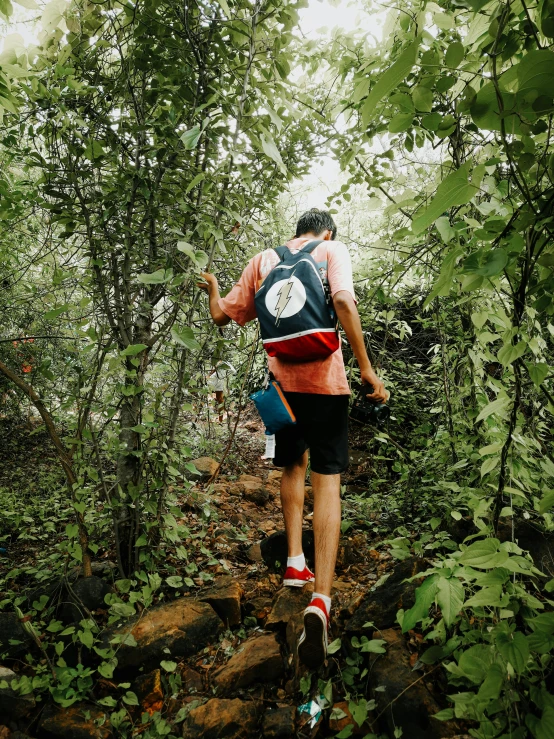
[{"x": 297, "y": 321}]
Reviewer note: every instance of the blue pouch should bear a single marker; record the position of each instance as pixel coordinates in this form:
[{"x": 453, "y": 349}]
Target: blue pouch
[{"x": 273, "y": 407}]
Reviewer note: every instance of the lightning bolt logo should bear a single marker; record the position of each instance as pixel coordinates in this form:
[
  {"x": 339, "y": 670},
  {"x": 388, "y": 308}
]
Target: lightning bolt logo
[{"x": 284, "y": 299}]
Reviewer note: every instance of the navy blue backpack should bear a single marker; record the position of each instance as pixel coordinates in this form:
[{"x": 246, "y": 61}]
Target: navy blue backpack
[{"x": 297, "y": 320}]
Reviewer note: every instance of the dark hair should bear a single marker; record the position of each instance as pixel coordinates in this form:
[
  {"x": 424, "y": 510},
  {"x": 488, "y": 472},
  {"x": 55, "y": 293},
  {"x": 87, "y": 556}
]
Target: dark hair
[{"x": 316, "y": 221}]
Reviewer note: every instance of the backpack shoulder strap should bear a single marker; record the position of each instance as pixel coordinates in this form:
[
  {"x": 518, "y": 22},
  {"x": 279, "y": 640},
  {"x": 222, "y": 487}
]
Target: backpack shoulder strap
[
  {"x": 282, "y": 251},
  {"x": 311, "y": 245}
]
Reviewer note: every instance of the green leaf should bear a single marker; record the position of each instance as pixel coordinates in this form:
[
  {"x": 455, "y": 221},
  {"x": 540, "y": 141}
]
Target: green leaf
[
  {"x": 479, "y": 319},
  {"x": 168, "y": 665},
  {"x": 497, "y": 406},
  {"x": 489, "y": 465},
  {"x": 55, "y": 312},
  {"x": 133, "y": 350},
  {"x": 537, "y": 372},
  {"x": 423, "y": 98},
  {"x": 454, "y": 55},
  {"x": 453, "y": 190},
  {"x": 425, "y": 597},
  {"x": 155, "y": 278},
  {"x": 509, "y": 353},
  {"x": 388, "y": 81},
  {"x": 492, "y": 686},
  {"x": 546, "y": 502},
  {"x": 534, "y": 74},
  {"x": 225, "y": 8},
  {"x": 493, "y": 264},
  {"x": 195, "y": 181},
  {"x": 490, "y": 597},
  {"x": 484, "y": 554},
  {"x": 486, "y": 113},
  {"x": 450, "y": 598},
  {"x": 174, "y": 581},
  {"x": 130, "y": 698},
  {"x": 185, "y": 337},
  {"x": 334, "y": 646},
  {"x": 400, "y": 122},
  {"x": 270, "y": 149},
  {"x": 443, "y": 285},
  {"x": 445, "y": 230},
  {"x": 374, "y": 646},
  {"x": 476, "y": 661},
  {"x": 190, "y": 137},
  {"x": 514, "y": 648}
]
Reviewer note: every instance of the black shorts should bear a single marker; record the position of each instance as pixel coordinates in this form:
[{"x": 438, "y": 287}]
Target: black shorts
[{"x": 321, "y": 427}]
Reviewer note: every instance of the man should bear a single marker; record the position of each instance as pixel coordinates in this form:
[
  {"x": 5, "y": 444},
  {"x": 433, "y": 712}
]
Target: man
[
  {"x": 218, "y": 383},
  {"x": 317, "y": 392}
]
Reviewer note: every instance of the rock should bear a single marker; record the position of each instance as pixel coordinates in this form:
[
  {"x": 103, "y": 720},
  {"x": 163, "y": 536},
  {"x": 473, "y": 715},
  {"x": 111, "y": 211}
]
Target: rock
[
  {"x": 259, "y": 608},
  {"x": 274, "y": 549},
  {"x": 71, "y": 723},
  {"x": 405, "y": 702},
  {"x": 258, "y": 661},
  {"x": 222, "y": 719},
  {"x": 295, "y": 626},
  {"x": 14, "y": 640},
  {"x": 183, "y": 626},
  {"x": 13, "y": 705},
  {"x": 88, "y": 593},
  {"x": 224, "y": 597},
  {"x": 289, "y": 601},
  {"x": 254, "y": 552},
  {"x": 275, "y": 476},
  {"x": 258, "y": 495},
  {"x": 251, "y": 478},
  {"x": 5, "y": 733},
  {"x": 380, "y": 606},
  {"x": 206, "y": 466},
  {"x": 192, "y": 680},
  {"x": 148, "y": 689},
  {"x": 278, "y": 722}
]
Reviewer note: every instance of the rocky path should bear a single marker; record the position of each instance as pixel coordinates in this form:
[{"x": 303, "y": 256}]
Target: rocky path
[{"x": 219, "y": 659}]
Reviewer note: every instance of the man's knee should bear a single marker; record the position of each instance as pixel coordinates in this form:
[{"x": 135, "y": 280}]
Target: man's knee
[{"x": 298, "y": 465}]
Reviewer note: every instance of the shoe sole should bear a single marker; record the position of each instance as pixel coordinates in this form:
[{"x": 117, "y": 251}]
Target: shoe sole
[
  {"x": 311, "y": 649},
  {"x": 291, "y": 583}
]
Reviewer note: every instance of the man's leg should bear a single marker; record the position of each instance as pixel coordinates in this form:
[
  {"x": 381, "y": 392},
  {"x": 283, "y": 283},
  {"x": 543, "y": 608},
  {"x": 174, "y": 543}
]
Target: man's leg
[
  {"x": 292, "y": 499},
  {"x": 326, "y": 521},
  {"x": 220, "y": 403}
]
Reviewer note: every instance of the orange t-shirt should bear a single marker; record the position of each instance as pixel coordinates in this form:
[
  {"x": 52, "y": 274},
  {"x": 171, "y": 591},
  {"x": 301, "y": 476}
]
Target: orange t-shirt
[{"x": 322, "y": 376}]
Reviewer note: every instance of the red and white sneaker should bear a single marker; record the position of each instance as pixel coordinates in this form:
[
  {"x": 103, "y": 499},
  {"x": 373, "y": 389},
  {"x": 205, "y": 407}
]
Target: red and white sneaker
[
  {"x": 297, "y": 579},
  {"x": 312, "y": 644}
]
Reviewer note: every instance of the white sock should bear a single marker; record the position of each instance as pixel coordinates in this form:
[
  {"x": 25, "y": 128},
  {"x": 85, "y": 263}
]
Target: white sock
[
  {"x": 326, "y": 599},
  {"x": 298, "y": 562}
]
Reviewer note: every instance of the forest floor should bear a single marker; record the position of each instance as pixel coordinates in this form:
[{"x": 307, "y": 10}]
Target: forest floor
[{"x": 241, "y": 680}]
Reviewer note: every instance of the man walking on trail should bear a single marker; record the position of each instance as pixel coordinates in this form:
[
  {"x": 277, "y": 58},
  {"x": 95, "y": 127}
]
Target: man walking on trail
[{"x": 318, "y": 393}]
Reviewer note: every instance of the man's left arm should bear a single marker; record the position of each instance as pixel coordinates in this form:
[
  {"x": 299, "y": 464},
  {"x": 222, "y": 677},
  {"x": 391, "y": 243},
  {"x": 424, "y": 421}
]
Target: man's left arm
[
  {"x": 347, "y": 312},
  {"x": 211, "y": 287}
]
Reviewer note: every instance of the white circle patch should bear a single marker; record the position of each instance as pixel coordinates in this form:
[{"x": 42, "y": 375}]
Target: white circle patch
[{"x": 285, "y": 298}]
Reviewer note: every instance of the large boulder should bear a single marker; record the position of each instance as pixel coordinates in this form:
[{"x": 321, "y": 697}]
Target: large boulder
[
  {"x": 288, "y": 603},
  {"x": 183, "y": 627},
  {"x": 278, "y": 722},
  {"x": 206, "y": 467},
  {"x": 258, "y": 661},
  {"x": 14, "y": 640},
  {"x": 149, "y": 691},
  {"x": 380, "y": 606},
  {"x": 13, "y": 705},
  {"x": 79, "y": 721},
  {"x": 402, "y": 699},
  {"x": 274, "y": 549},
  {"x": 222, "y": 719},
  {"x": 224, "y": 597},
  {"x": 85, "y": 595}
]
